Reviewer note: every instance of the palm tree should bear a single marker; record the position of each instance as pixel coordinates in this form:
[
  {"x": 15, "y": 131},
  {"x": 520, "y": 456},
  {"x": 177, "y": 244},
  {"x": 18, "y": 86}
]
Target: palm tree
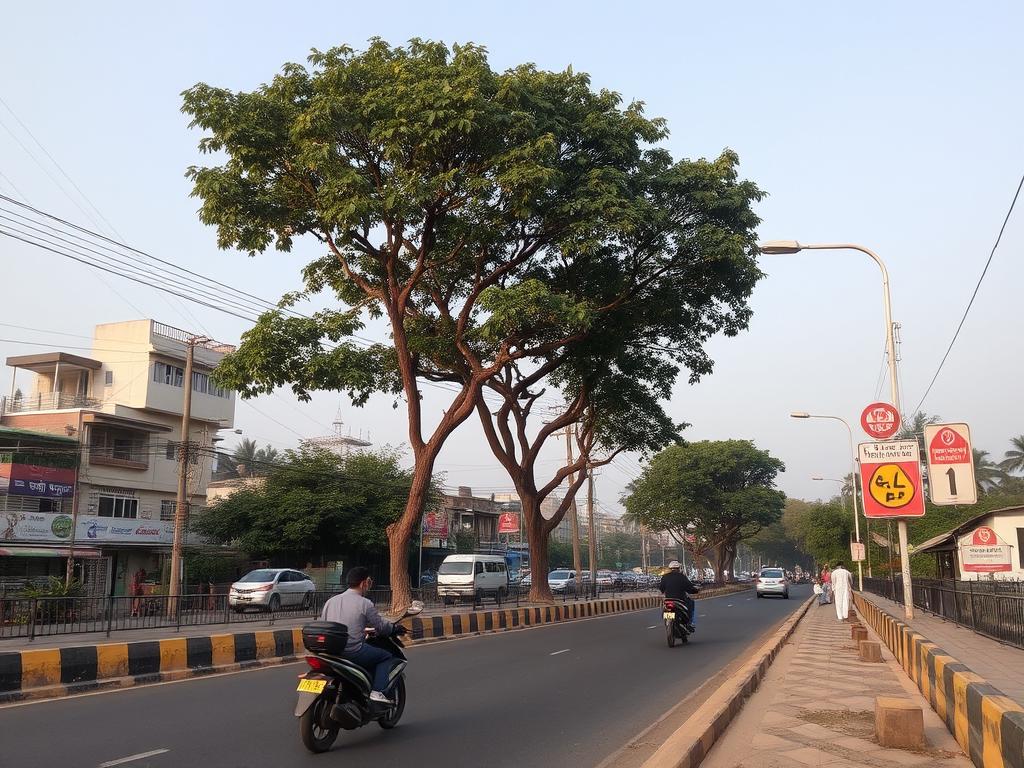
[
  {"x": 1014, "y": 458},
  {"x": 268, "y": 455},
  {"x": 245, "y": 452},
  {"x": 987, "y": 473},
  {"x": 914, "y": 429}
]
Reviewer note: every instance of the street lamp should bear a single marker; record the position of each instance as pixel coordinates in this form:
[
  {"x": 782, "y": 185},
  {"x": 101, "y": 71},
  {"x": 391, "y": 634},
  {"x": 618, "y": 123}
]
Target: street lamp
[
  {"x": 853, "y": 456},
  {"x": 782, "y": 247}
]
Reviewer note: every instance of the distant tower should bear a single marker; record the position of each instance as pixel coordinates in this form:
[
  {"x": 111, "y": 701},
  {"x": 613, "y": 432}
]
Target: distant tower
[{"x": 337, "y": 443}]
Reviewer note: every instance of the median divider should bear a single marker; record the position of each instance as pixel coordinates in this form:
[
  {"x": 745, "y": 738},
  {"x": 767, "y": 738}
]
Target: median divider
[
  {"x": 988, "y": 725},
  {"x": 48, "y": 673},
  {"x": 690, "y": 743}
]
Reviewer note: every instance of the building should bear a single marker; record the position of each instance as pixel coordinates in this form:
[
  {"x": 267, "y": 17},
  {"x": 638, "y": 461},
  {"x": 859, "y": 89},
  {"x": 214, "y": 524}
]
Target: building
[
  {"x": 122, "y": 408},
  {"x": 988, "y": 546},
  {"x": 338, "y": 443}
]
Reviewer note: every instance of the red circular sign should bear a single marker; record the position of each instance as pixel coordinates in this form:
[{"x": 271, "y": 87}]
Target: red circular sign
[
  {"x": 984, "y": 537},
  {"x": 880, "y": 421}
]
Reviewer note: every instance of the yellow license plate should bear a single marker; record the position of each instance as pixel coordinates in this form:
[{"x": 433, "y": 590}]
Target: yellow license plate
[
  {"x": 668, "y": 615},
  {"x": 311, "y": 686}
]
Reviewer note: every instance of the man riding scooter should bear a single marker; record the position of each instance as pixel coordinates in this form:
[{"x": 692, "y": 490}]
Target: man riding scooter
[{"x": 676, "y": 586}]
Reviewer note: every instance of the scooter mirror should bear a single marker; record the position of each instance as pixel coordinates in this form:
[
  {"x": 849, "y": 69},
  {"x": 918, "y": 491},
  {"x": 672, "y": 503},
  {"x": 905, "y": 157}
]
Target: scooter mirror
[{"x": 414, "y": 608}]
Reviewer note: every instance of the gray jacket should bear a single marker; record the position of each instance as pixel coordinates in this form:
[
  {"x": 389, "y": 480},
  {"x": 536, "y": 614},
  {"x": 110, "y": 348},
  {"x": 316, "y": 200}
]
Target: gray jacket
[{"x": 357, "y": 613}]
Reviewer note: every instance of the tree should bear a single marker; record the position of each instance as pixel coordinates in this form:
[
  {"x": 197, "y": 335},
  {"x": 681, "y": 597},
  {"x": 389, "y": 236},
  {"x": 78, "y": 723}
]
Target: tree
[
  {"x": 439, "y": 189},
  {"x": 314, "y": 505},
  {"x": 914, "y": 429},
  {"x": 1013, "y": 461},
  {"x": 987, "y": 474},
  {"x": 822, "y": 529},
  {"x": 718, "y": 491}
]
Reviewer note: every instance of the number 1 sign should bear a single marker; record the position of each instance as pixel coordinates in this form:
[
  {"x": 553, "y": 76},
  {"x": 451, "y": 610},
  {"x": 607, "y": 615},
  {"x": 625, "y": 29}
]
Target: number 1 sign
[{"x": 950, "y": 464}]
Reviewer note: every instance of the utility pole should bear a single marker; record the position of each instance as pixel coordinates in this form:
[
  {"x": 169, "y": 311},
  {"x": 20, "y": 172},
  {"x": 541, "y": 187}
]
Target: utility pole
[
  {"x": 592, "y": 544},
  {"x": 181, "y": 504},
  {"x": 574, "y": 520}
]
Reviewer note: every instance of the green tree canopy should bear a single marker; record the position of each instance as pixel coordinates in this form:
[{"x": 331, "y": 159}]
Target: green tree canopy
[
  {"x": 720, "y": 492},
  {"x": 314, "y": 505}
]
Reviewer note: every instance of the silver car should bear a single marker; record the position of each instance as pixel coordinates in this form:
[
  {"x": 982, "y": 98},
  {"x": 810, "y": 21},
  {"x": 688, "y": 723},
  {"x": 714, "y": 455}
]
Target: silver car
[
  {"x": 271, "y": 589},
  {"x": 772, "y": 581}
]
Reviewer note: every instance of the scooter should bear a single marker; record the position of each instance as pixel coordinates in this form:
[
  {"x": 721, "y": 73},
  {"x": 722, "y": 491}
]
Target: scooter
[
  {"x": 677, "y": 621},
  {"x": 334, "y": 694}
]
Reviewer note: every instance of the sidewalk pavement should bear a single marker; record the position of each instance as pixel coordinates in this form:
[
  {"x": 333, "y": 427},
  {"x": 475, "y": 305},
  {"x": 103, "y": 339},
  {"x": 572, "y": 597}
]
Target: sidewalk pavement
[
  {"x": 815, "y": 707},
  {"x": 1001, "y": 665}
]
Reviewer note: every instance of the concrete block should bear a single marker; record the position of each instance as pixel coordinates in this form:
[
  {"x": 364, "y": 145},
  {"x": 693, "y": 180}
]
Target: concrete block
[
  {"x": 870, "y": 650},
  {"x": 858, "y": 634},
  {"x": 899, "y": 723}
]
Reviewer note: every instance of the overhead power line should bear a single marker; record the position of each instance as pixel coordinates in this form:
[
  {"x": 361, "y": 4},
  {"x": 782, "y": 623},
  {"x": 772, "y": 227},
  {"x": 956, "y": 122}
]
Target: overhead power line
[{"x": 974, "y": 295}]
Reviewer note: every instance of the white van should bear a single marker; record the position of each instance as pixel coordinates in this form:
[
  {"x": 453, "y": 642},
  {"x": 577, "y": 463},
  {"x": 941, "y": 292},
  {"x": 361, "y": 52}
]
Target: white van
[{"x": 472, "y": 577}]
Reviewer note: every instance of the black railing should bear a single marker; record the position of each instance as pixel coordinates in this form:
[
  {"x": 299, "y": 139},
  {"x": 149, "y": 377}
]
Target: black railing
[
  {"x": 994, "y": 609},
  {"x": 33, "y": 617}
]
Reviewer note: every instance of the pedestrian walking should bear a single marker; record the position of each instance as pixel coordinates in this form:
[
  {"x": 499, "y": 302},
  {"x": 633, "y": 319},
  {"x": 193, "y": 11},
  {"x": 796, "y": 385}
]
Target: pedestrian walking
[
  {"x": 826, "y": 582},
  {"x": 138, "y": 590},
  {"x": 842, "y": 589}
]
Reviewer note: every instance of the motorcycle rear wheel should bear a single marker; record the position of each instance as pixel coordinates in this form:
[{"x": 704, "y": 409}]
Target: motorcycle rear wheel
[
  {"x": 390, "y": 720},
  {"x": 670, "y": 635},
  {"x": 315, "y": 737}
]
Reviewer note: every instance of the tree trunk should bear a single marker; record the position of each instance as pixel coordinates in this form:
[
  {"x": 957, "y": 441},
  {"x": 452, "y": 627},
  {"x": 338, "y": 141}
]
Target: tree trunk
[
  {"x": 721, "y": 556},
  {"x": 400, "y": 533},
  {"x": 537, "y": 537}
]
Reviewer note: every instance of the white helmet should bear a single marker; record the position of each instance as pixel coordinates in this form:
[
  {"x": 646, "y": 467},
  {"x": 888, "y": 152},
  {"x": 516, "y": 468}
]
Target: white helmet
[{"x": 675, "y": 565}]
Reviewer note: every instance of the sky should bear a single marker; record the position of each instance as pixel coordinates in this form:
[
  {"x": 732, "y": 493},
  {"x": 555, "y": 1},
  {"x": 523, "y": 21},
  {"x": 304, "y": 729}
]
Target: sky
[{"x": 893, "y": 126}]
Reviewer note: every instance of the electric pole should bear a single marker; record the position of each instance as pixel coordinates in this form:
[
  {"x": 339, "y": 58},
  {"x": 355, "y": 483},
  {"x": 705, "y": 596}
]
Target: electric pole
[
  {"x": 181, "y": 504},
  {"x": 592, "y": 544},
  {"x": 574, "y": 520}
]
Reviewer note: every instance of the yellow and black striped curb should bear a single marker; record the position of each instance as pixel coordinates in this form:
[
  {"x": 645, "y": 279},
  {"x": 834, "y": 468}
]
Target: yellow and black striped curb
[
  {"x": 46, "y": 673},
  {"x": 987, "y": 724},
  {"x": 690, "y": 743}
]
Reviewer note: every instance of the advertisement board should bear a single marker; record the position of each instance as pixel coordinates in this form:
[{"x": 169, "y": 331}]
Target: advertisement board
[
  {"x": 981, "y": 552},
  {"x": 508, "y": 522},
  {"x": 38, "y": 481},
  {"x": 435, "y": 523},
  {"x": 32, "y": 526}
]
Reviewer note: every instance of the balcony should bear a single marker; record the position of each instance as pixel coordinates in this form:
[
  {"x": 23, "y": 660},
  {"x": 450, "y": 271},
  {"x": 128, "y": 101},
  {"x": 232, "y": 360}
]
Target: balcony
[
  {"x": 119, "y": 448},
  {"x": 46, "y": 401}
]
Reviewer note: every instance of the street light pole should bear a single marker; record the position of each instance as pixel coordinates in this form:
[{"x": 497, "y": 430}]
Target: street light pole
[
  {"x": 853, "y": 456},
  {"x": 792, "y": 246}
]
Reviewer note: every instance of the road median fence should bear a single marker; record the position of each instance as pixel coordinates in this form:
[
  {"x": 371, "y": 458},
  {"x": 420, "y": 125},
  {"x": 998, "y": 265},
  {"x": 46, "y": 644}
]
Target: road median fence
[
  {"x": 44, "y": 673},
  {"x": 987, "y": 724}
]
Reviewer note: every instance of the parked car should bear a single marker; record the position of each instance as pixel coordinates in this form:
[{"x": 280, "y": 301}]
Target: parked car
[
  {"x": 271, "y": 589},
  {"x": 607, "y": 579},
  {"x": 472, "y": 576},
  {"x": 562, "y": 580},
  {"x": 772, "y": 581}
]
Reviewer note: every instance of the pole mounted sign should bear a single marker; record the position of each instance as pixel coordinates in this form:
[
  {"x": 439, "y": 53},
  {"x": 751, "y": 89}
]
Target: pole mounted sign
[
  {"x": 890, "y": 474},
  {"x": 880, "y": 421},
  {"x": 950, "y": 464}
]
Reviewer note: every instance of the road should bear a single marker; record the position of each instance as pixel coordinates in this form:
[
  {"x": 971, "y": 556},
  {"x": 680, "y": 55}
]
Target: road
[{"x": 563, "y": 695}]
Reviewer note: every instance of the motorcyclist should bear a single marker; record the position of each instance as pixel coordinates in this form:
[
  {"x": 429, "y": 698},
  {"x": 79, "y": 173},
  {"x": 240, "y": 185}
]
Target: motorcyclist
[
  {"x": 676, "y": 586},
  {"x": 358, "y": 614}
]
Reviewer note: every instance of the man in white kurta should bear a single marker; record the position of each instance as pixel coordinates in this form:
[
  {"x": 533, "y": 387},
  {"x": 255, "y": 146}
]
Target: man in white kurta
[{"x": 842, "y": 590}]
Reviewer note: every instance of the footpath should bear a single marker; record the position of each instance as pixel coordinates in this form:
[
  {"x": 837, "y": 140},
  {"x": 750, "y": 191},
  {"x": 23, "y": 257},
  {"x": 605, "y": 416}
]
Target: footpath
[{"x": 815, "y": 707}]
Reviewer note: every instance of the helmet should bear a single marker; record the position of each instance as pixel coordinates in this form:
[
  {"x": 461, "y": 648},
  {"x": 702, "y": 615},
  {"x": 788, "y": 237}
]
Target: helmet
[{"x": 675, "y": 565}]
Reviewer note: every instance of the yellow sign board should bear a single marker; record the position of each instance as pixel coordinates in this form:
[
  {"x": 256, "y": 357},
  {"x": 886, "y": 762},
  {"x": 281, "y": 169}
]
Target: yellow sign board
[{"x": 891, "y": 487}]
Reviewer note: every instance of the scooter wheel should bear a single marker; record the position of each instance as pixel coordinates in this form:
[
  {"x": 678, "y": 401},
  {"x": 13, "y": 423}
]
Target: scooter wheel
[
  {"x": 670, "y": 635},
  {"x": 390, "y": 720},
  {"x": 315, "y": 737}
]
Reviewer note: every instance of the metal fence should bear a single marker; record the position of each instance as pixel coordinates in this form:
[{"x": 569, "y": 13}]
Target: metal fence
[
  {"x": 994, "y": 609},
  {"x": 32, "y": 617}
]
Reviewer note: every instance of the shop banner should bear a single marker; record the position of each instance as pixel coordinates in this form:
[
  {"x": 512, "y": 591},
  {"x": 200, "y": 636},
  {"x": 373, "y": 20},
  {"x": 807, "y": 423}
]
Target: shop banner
[
  {"x": 435, "y": 523},
  {"x": 508, "y": 522},
  {"x": 34, "y": 526},
  {"x": 981, "y": 552},
  {"x": 34, "y": 480},
  {"x": 25, "y": 526}
]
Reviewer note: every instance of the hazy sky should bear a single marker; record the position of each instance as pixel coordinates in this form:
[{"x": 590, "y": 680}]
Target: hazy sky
[{"x": 890, "y": 125}]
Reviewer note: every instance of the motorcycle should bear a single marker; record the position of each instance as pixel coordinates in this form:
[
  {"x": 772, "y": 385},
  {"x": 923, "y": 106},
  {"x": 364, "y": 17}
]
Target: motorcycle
[
  {"x": 334, "y": 694},
  {"x": 677, "y": 621}
]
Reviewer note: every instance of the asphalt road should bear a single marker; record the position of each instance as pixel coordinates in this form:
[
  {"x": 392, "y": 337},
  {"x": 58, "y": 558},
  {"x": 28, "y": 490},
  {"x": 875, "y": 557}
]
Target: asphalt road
[{"x": 565, "y": 695}]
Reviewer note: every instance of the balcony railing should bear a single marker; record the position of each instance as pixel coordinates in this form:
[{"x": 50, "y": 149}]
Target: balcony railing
[{"x": 46, "y": 401}]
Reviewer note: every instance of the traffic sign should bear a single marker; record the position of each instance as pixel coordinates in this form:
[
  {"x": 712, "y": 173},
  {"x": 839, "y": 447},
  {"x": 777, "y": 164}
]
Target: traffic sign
[
  {"x": 880, "y": 421},
  {"x": 950, "y": 464},
  {"x": 891, "y": 474}
]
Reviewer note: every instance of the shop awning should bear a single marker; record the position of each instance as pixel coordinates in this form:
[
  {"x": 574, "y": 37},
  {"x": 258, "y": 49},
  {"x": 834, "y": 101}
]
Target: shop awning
[{"x": 15, "y": 551}]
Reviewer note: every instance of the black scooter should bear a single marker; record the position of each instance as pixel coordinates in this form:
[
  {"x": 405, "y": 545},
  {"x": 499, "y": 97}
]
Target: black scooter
[
  {"x": 677, "y": 620},
  {"x": 334, "y": 694}
]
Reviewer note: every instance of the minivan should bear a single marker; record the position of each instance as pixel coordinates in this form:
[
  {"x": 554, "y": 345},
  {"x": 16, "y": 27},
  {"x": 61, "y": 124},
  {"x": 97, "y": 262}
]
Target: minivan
[{"x": 473, "y": 577}]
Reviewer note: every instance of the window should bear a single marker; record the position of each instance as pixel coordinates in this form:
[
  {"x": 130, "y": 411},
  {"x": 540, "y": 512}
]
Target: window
[
  {"x": 108, "y": 378},
  {"x": 200, "y": 382},
  {"x": 168, "y": 374},
  {"x": 117, "y": 506},
  {"x": 120, "y": 445},
  {"x": 491, "y": 567},
  {"x": 167, "y": 510},
  {"x": 479, "y": 568},
  {"x": 172, "y": 450},
  {"x": 449, "y": 568}
]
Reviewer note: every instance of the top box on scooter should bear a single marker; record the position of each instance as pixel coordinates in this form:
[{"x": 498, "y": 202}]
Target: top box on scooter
[{"x": 327, "y": 637}]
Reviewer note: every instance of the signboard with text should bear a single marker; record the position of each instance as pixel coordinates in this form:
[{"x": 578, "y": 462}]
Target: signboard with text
[
  {"x": 856, "y": 551},
  {"x": 890, "y": 475},
  {"x": 508, "y": 522},
  {"x": 435, "y": 523},
  {"x": 950, "y": 464},
  {"x": 40, "y": 526},
  {"x": 38, "y": 481},
  {"x": 981, "y": 552},
  {"x": 880, "y": 421}
]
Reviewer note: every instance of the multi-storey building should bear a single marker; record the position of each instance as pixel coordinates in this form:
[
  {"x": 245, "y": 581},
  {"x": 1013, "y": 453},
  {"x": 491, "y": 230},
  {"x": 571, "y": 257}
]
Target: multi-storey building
[{"x": 122, "y": 406}]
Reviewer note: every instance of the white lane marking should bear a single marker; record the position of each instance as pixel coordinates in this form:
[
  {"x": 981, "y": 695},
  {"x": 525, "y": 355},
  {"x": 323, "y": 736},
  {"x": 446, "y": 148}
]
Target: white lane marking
[
  {"x": 133, "y": 758},
  {"x": 564, "y": 650},
  {"x": 653, "y": 626},
  {"x": 701, "y": 615},
  {"x": 729, "y": 605}
]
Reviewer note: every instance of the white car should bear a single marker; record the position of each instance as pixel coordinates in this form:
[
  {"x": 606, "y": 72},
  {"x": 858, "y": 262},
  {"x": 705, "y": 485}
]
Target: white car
[
  {"x": 271, "y": 589},
  {"x": 562, "y": 580}
]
